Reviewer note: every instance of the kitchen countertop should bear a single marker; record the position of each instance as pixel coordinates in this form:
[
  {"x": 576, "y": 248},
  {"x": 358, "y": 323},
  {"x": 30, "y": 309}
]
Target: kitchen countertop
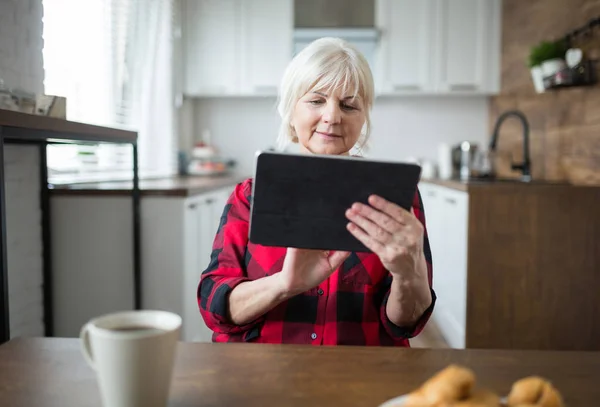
[
  {"x": 178, "y": 186},
  {"x": 184, "y": 186},
  {"x": 467, "y": 185}
]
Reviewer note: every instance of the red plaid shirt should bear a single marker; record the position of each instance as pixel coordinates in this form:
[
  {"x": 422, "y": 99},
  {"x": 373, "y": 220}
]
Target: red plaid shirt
[{"x": 349, "y": 308}]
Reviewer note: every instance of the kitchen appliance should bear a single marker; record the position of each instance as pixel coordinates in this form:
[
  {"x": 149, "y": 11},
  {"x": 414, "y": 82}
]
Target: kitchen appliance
[
  {"x": 464, "y": 159},
  {"x": 365, "y": 40}
]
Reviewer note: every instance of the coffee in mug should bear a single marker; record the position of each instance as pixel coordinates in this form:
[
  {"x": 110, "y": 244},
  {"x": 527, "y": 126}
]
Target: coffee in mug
[{"x": 132, "y": 353}]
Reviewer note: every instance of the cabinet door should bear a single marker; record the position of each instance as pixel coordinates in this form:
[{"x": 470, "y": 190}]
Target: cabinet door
[
  {"x": 468, "y": 46},
  {"x": 203, "y": 214},
  {"x": 436, "y": 218},
  {"x": 211, "y": 33},
  {"x": 198, "y": 240},
  {"x": 430, "y": 195},
  {"x": 266, "y": 39},
  {"x": 446, "y": 212},
  {"x": 455, "y": 211},
  {"x": 405, "y": 63},
  {"x": 217, "y": 202}
]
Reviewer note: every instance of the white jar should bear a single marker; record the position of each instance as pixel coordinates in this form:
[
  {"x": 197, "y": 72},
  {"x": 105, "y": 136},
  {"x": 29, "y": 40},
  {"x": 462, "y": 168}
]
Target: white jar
[
  {"x": 445, "y": 161},
  {"x": 552, "y": 66}
]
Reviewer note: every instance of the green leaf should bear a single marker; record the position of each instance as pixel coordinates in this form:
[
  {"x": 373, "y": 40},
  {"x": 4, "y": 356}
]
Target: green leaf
[{"x": 546, "y": 50}]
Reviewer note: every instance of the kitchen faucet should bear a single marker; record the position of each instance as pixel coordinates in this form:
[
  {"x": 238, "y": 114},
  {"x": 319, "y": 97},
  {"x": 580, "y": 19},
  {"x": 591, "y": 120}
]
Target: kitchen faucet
[{"x": 524, "y": 167}]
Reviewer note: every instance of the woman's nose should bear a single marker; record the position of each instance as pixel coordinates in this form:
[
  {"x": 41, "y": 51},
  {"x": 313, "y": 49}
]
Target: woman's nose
[{"x": 332, "y": 114}]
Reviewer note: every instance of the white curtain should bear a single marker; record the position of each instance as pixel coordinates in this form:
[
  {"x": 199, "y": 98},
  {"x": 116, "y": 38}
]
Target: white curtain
[
  {"x": 152, "y": 51},
  {"x": 112, "y": 60}
]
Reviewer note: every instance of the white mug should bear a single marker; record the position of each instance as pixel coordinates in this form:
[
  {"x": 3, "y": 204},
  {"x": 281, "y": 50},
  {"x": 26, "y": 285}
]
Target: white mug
[{"x": 132, "y": 353}]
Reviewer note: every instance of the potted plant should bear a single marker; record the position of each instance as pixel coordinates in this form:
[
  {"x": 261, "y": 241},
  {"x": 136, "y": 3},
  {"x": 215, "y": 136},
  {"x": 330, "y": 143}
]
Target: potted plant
[{"x": 546, "y": 59}]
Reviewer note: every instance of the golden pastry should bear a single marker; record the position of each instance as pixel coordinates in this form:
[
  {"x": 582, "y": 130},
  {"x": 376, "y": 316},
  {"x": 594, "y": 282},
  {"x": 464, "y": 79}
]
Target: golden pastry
[
  {"x": 417, "y": 399},
  {"x": 550, "y": 397},
  {"x": 527, "y": 390},
  {"x": 447, "y": 386},
  {"x": 451, "y": 384},
  {"x": 536, "y": 391}
]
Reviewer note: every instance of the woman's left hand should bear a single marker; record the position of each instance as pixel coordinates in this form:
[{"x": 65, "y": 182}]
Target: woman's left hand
[{"x": 392, "y": 233}]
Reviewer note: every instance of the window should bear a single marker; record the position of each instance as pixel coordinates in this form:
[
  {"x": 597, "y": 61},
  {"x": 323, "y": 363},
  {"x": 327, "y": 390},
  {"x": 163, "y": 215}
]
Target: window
[{"x": 111, "y": 59}]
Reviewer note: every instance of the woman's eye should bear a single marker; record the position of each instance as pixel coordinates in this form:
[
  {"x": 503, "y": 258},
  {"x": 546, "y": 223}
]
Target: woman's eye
[
  {"x": 348, "y": 107},
  {"x": 315, "y": 102}
]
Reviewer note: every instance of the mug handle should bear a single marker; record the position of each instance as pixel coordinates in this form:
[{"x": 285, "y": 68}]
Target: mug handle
[{"x": 86, "y": 347}]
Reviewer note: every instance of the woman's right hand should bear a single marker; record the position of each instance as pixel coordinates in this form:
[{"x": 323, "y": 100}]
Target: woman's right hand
[{"x": 304, "y": 269}]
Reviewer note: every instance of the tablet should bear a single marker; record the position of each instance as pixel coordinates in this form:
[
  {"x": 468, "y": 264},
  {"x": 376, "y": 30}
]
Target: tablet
[{"x": 301, "y": 200}]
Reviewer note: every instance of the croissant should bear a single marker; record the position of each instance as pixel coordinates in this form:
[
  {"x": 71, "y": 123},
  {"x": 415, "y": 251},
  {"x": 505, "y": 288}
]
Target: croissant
[
  {"x": 449, "y": 385},
  {"x": 534, "y": 391}
]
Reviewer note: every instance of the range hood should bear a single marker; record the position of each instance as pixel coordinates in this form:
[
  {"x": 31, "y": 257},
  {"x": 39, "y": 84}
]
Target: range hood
[{"x": 365, "y": 39}]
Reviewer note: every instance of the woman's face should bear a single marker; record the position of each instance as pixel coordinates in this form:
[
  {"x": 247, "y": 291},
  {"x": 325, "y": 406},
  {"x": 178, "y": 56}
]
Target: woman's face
[{"x": 328, "y": 122}]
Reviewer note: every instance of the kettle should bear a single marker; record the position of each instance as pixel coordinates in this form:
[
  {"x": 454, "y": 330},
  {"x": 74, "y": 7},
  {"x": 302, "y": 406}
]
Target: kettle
[
  {"x": 464, "y": 156},
  {"x": 469, "y": 161}
]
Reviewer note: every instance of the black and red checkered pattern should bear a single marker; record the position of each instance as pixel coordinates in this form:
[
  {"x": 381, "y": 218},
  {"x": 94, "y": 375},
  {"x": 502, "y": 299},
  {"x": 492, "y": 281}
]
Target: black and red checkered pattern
[{"x": 346, "y": 309}]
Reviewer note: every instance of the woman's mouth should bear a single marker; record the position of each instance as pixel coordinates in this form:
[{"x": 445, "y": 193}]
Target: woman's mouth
[{"x": 328, "y": 136}]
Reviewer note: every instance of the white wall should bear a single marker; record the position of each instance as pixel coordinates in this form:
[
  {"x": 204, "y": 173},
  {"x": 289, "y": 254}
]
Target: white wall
[
  {"x": 21, "y": 67},
  {"x": 402, "y": 127},
  {"x": 21, "y": 64},
  {"x": 239, "y": 127},
  {"x": 413, "y": 127}
]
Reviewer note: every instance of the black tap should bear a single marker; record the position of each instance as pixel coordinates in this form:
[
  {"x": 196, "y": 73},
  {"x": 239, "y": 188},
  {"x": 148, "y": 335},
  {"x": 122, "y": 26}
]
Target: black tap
[{"x": 524, "y": 167}]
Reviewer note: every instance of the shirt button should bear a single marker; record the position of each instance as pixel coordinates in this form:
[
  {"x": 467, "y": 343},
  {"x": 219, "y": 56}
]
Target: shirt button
[
  {"x": 320, "y": 291},
  {"x": 313, "y": 335}
]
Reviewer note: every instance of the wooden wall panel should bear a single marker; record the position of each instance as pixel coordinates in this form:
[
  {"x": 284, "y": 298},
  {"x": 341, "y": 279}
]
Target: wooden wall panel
[{"x": 565, "y": 124}]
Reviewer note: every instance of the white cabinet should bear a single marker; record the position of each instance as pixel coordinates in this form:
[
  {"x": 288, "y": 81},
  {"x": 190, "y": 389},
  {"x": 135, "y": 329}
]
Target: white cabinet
[
  {"x": 406, "y": 47},
  {"x": 178, "y": 234},
  {"x": 469, "y": 46},
  {"x": 211, "y": 46},
  {"x": 236, "y": 47},
  {"x": 201, "y": 221},
  {"x": 266, "y": 48},
  {"x": 446, "y": 212},
  {"x": 241, "y": 47},
  {"x": 438, "y": 47},
  {"x": 92, "y": 256}
]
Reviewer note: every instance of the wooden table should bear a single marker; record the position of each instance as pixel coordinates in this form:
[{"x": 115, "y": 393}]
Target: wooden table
[{"x": 52, "y": 373}]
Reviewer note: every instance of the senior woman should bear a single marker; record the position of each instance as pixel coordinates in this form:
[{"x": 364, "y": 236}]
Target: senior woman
[{"x": 254, "y": 293}]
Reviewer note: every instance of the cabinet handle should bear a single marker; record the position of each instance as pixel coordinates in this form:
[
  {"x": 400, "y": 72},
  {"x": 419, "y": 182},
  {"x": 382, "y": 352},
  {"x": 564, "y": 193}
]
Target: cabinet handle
[
  {"x": 401, "y": 88},
  {"x": 451, "y": 201},
  {"x": 465, "y": 87},
  {"x": 192, "y": 206},
  {"x": 210, "y": 200},
  {"x": 431, "y": 194}
]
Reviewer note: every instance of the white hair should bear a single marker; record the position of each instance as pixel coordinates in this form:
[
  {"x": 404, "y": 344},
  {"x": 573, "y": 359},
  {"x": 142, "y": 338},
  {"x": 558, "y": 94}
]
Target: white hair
[{"x": 325, "y": 64}]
